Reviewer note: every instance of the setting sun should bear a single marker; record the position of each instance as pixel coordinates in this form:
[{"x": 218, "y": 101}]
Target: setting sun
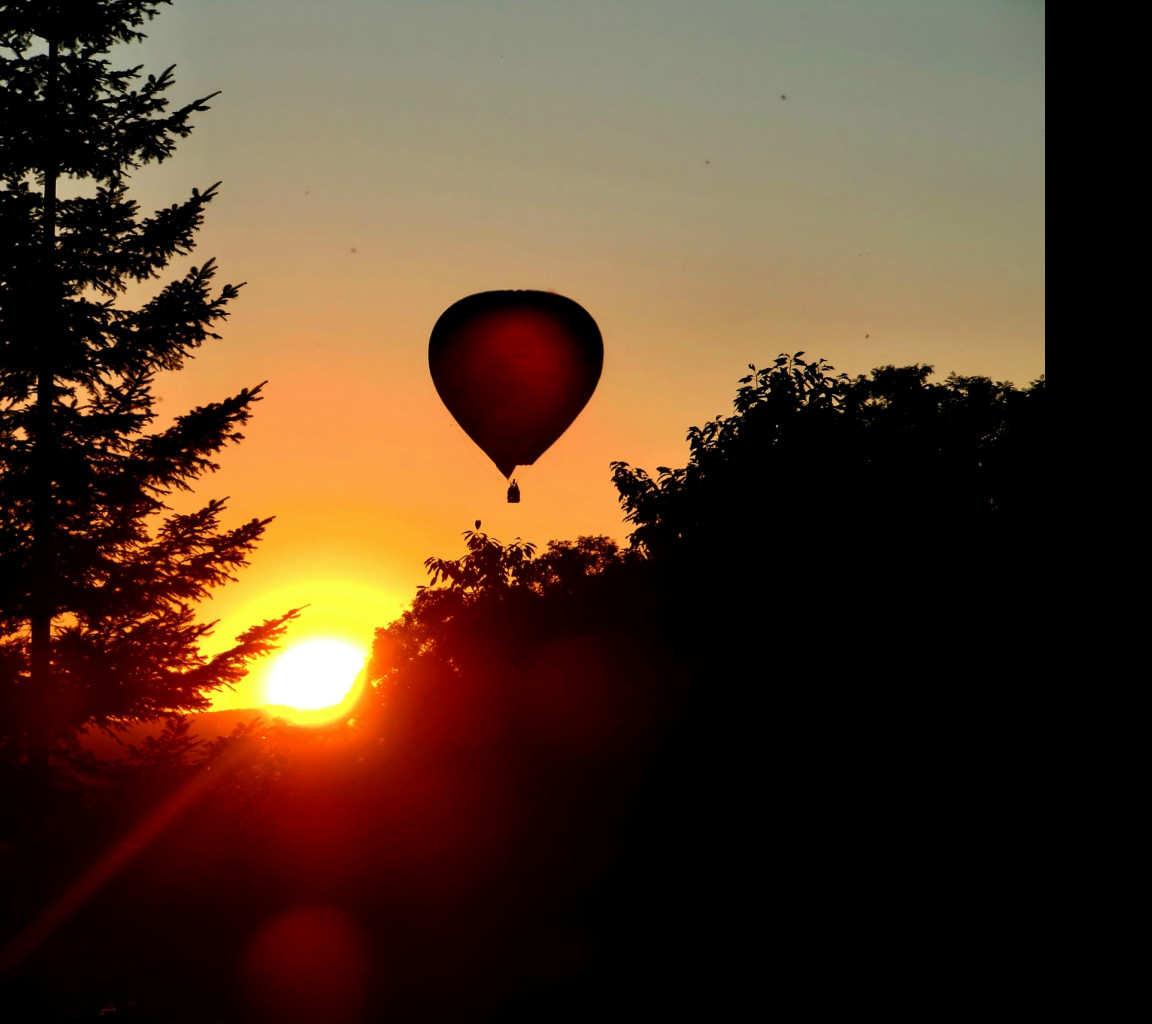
[{"x": 314, "y": 674}]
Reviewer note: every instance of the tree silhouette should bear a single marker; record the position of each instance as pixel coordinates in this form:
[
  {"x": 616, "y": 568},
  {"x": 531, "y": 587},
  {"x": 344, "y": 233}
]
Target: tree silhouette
[
  {"x": 820, "y": 500},
  {"x": 799, "y": 689},
  {"x": 736, "y": 465},
  {"x": 581, "y": 772},
  {"x": 888, "y": 456},
  {"x": 493, "y": 588},
  {"x": 99, "y": 577}
]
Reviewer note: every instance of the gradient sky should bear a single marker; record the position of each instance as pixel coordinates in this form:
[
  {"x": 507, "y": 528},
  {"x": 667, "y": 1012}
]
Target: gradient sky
[{"x": 382, "y": 159}]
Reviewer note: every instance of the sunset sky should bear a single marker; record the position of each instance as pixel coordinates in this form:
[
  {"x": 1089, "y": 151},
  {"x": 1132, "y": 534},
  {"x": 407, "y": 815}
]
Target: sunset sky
[{"x": 715, "y": 181}]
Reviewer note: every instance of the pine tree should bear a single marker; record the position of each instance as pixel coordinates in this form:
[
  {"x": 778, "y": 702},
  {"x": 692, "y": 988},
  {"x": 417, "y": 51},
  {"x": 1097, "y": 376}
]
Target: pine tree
[{"x": 99, "y": 578}]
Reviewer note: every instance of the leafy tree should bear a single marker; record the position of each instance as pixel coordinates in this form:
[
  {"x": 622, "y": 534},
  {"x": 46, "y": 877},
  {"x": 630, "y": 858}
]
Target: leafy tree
[
  {"x": 486, "y": 591},
  {"x": 99, "y": 576},
  {"x": 782, "y": 414},
  {"x": 492, "y": 568},
  {"x": 806, "y": 664},
  {"x": 566, "y": 566},
  {"x": 488, "y": 567},
  {"x": 484, "y": 611},
  {"x": 890, "y": 455}
]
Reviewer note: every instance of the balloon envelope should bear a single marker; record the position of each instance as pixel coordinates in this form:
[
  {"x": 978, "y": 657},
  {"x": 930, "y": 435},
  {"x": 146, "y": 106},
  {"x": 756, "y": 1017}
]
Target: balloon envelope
[{"x": 515, "y": 368}]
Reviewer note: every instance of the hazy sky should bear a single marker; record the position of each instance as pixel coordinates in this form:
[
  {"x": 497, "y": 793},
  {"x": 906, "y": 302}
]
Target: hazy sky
[{"x": 382, "y": 159}]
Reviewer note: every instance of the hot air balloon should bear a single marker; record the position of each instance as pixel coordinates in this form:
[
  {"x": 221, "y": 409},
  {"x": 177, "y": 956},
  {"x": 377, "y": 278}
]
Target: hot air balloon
[{"x": 514, "y": 368}]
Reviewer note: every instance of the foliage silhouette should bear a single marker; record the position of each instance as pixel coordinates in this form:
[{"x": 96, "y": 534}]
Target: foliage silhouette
[
  {"x": 100, "y": 578},
  {"x": 819, "y": 501},
  {"x": 656, "y": 779},
  {"x": 886, "y": 455},
  {"x": 780, "y": 677}
]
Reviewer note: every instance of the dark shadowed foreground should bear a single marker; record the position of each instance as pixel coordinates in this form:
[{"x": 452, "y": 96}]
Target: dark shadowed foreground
[{"x": 770, "y": 759}]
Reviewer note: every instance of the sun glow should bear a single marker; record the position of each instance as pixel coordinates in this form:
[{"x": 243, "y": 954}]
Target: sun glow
[{"x": 315, "y": 676}]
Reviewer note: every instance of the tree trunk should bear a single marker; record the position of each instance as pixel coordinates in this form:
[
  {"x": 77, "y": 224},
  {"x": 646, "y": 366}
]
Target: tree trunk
[{"x": 42, "y": 568}]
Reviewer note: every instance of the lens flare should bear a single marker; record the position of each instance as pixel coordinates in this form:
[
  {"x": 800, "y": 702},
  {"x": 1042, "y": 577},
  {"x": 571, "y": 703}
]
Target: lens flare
[{"x": 308, "y": 964}]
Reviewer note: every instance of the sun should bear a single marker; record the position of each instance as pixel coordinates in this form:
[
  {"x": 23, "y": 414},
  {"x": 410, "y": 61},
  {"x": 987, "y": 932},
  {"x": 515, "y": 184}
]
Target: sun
[{"x": 314, "y": 674}]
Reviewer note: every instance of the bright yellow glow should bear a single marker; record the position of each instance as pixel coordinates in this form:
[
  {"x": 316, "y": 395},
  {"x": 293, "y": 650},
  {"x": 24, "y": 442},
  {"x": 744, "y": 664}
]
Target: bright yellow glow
[
  {"x": 315, "y": 674},
  {"x": 329, "y": 584}
]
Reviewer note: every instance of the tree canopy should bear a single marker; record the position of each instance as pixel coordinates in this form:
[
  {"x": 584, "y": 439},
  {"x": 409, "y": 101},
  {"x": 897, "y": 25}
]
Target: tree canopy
[
  {"x": 890, "y": 454},
  {"x": 799, "y": 670}
]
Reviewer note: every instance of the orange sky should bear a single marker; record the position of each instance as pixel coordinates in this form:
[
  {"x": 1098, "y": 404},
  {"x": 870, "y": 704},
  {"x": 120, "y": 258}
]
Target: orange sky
[{"x": 381, "y": 160}]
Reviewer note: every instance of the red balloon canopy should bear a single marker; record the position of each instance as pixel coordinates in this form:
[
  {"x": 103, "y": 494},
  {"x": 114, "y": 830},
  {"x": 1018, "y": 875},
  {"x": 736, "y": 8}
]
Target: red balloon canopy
[{"x": 515, "y": 368}]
